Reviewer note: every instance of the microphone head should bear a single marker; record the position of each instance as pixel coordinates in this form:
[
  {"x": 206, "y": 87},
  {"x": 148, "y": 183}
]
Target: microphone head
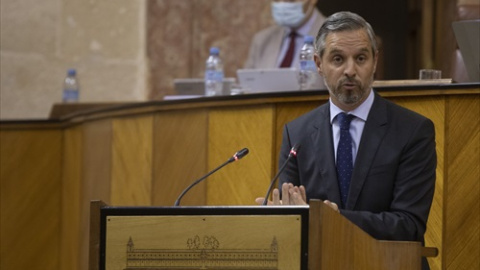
[
  {"x": 294, "y": 150},
  {"x": 240, "y": 154}
]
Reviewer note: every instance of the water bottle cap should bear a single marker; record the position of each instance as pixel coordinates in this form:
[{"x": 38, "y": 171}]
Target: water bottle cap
[
  {"x": 71, "y": 72},
  {"x": 214, "y": 51},
  {"x": 308, "y": 39}
]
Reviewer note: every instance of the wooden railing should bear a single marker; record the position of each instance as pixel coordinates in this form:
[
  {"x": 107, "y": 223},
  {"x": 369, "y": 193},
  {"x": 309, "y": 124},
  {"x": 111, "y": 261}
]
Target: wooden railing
[{"x": 145, "y": 154}]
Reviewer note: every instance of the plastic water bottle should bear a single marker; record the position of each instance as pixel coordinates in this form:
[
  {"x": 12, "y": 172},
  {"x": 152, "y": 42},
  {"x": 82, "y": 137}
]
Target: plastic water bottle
[
  {"x": 308, "y": 69},
  {"x": 71, "y": 87},
  {"x": 214, "y": 73}
]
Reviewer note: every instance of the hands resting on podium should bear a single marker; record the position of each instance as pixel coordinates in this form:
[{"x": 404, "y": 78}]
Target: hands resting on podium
[{"x": 292, "y": 195}]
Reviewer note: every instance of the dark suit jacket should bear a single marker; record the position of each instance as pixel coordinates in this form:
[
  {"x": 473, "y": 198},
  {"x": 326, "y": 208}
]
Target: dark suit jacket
[{"x": 393, "y": 176}]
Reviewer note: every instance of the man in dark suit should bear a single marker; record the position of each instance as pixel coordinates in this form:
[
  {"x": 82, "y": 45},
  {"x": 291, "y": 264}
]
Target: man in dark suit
[{"x": 387, "y": 189}]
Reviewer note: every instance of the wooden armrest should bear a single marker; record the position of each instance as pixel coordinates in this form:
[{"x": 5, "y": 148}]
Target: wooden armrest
[{"x": 429, "y": 252}]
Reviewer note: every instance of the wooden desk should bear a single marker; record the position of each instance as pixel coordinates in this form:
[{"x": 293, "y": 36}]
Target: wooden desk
[{"x": 143, "y": 154}]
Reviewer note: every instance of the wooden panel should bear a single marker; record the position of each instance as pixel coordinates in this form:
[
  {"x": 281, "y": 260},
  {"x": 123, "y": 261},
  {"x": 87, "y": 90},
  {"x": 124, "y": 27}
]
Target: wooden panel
[
  {"x": 426, "y": 34},
  {"x": 180, "y": 136},
  {"x": 132, "y": 161},
  {"x": 436, "y": 112},
  {"x": 97, "y": 160},
  {"x": 337, "y": 243},
  {"x": 30, "y": 199},
  {"x": 462, "y": 207},
  {"x": 97, "y": 166},
  {"x": 71, "y": 233},
  {"x": 206, "y": 240},
  {"x": 179, "y": 156},
  {"x": 230, "y": 130},
  {"x": 95, "y": 235}
]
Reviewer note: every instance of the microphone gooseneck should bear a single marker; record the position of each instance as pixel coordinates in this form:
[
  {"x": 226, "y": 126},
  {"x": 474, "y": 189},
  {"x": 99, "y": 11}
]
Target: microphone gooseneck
[
  {"x": 238, "y": 155},
  {"x": 293, "y": 153}
]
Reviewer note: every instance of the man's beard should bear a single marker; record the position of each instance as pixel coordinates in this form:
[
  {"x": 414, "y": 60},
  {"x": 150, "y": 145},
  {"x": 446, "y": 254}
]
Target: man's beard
[{"x": 349, "y": 96}]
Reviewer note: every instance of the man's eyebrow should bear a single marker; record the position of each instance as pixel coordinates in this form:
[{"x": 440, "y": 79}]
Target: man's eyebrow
[
  {"x": 339, "y": 51},
  {"x": 334, "y": 51},
  {"x": 365, "y": 49}
]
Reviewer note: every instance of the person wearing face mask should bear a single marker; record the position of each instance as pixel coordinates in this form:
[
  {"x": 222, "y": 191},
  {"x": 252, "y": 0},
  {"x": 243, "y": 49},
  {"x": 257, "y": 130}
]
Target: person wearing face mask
[{"x": 294, "y": 19}]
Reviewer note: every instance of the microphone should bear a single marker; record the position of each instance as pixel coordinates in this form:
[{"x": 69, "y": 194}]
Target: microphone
[
  {"x": 238, "y": 155},
  {"x": 293, "y": 153}
]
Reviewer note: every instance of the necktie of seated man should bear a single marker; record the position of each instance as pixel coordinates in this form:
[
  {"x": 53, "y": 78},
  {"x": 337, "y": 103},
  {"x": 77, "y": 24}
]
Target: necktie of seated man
[
  {"x": 344, "y": 155},
  {"x": 287, "y": 60}
]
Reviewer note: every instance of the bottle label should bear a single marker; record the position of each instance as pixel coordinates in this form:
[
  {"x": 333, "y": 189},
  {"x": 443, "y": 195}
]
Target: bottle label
[
  {"x": 308, "y": 65},
  {"x": 70, "y": 95},
  {"x": 214, "y": 75},
  {"x": 213, "y": 82}
]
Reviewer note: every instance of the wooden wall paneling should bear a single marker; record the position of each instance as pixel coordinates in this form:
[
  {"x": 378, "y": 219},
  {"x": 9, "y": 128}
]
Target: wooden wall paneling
[
  {"x": 44, "y": 205},
  {"x": 427, "y": 34},
  {"x": 30, "y": 198},
  {"x": 232, "y": 129},
  {"x": 433, "y": 108},
  {"x": 179, "y": 156},
  {"x": 72, "y": 196},
  {"x": 95, "y": 234},
  {"x": 96, "y": 178},
  {"x": 132, "y": 161},
  {"x": 462, "y": 205}
]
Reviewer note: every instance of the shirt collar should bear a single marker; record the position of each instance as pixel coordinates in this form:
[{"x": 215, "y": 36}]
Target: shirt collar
[{"x": 359, "y": 112}]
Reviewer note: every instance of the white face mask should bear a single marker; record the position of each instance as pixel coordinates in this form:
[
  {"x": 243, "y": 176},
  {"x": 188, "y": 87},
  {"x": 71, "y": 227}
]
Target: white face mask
[{"x": 288, "y": 14}]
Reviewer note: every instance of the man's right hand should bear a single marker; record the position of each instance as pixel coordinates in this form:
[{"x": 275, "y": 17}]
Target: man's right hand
[{"x": 292, "y": 195}]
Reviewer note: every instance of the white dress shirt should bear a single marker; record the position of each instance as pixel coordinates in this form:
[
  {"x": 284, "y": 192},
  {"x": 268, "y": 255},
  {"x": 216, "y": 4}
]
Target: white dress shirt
[{"x": 356, "y": 126}]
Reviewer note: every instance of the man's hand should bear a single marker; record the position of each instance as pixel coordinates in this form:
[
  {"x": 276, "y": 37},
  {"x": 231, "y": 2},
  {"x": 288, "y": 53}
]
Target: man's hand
[
  {"x": 292, "y": 195},
  {"x": 333, "y": 205}
]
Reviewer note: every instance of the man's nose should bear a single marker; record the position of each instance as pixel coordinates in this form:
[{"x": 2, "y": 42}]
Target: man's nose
[{"x": 350, "y": 68}]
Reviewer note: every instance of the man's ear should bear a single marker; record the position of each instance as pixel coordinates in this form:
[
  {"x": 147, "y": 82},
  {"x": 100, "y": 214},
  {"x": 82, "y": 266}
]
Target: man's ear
[{"x": 318, "y": 63}]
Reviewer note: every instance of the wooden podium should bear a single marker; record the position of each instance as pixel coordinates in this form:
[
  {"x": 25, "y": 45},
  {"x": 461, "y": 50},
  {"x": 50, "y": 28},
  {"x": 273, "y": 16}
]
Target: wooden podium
[
  {"x": 337, "y": 243},
  {"x": 252, "y": 237}
]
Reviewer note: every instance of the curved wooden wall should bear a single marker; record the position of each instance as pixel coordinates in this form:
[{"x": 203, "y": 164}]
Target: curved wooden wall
[{"x": 145, "y": 154}]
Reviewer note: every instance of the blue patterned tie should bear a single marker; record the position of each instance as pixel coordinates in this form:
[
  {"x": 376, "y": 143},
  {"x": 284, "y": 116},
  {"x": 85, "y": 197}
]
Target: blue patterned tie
[{"x": 344, "y": 155}]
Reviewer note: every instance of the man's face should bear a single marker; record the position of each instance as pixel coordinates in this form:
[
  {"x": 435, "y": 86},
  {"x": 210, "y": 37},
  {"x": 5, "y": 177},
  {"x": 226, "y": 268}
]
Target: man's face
[{"x": 347, "y": 65}]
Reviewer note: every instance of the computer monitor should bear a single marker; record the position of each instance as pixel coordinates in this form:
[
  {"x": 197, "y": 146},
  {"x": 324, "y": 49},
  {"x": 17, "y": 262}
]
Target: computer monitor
[
  {"x": 467, "y": 34},
  {"x": 274, "y": 80}
]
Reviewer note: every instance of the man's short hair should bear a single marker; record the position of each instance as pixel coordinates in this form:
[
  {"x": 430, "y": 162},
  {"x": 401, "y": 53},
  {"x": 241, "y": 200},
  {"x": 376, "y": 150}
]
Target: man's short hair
[{"x": 343, "y": 21}]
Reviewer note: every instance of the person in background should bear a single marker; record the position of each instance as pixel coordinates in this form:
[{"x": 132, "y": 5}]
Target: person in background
[
  {"x": 278, "y": 46},
  {"x": 369, "y": 159}
]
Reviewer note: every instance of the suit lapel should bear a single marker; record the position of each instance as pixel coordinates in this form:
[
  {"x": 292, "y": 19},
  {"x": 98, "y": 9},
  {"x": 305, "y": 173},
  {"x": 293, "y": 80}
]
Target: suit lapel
[
  {"x": 323, "y": 146},
  {"x": 273, "y": 48},
  {"x": 373, "y": 133},
  {"x": 317, "y": 24}
]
